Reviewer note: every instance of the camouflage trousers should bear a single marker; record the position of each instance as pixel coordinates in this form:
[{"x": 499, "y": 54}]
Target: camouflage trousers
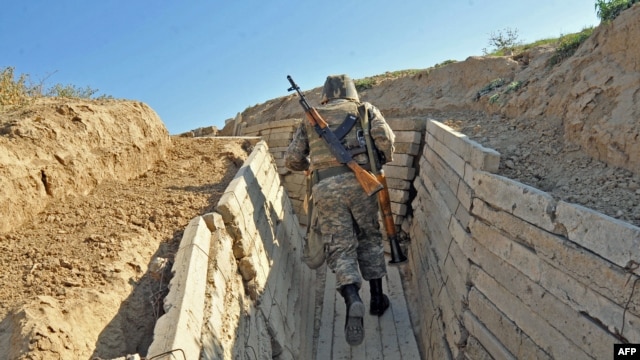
[{"x": 348, "y": 222}]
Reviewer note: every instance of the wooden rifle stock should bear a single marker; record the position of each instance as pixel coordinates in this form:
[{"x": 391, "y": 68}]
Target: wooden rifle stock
[
  {"x": 368, "y": 182},
  {"x": 397, "y": 257},
  {"x": 385, "y": 206}
]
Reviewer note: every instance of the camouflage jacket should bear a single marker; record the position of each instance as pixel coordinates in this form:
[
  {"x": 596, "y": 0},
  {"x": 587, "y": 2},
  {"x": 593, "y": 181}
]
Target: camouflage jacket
[{"x": 297, "y": 154}]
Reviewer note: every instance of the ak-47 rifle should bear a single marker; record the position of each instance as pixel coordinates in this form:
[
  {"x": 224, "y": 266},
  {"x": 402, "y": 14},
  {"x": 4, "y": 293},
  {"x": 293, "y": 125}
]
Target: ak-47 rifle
[
  {"x": 397, "y": 256},
  {"x": 369, "y": 183}
]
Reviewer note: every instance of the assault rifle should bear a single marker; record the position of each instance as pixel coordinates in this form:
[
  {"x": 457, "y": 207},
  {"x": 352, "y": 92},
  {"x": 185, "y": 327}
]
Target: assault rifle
[
  {"x": 369, "y": 183},
  {"x": 397, "y": 256}
]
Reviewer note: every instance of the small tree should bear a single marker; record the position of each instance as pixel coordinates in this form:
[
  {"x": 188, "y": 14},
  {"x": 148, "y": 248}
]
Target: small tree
[{"x": 504, "y": 41}]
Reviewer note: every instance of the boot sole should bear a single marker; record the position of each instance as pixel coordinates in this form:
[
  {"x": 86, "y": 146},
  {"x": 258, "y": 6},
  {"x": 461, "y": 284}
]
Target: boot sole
[{"x": 354, "y": 328}]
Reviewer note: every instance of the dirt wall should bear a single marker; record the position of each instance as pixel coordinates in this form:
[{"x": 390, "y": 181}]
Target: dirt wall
[{"x": 54, "y": 149}]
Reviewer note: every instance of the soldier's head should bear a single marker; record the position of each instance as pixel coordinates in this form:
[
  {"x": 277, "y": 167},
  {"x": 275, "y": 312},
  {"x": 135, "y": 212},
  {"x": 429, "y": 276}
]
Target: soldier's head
[{"x": 339, "y": 87}]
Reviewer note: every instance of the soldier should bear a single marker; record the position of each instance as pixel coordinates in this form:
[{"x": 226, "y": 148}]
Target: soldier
[{"x": 347, "y": 218}]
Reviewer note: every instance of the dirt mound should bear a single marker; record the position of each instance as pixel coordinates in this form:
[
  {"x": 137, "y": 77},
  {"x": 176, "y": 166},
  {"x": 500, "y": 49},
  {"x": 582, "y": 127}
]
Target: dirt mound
[
  {"x": 53, "y": 149},
  {"x": 85, "y": 274}
]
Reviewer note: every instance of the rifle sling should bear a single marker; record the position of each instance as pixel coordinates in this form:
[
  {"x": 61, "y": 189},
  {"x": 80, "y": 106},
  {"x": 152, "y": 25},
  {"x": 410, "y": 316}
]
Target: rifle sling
[
  {"x": 343, "y": 129},
  {"x": 346, "y": 126},
  {"x": 332, "y": 171},
  {"x": 339, "y": 133},
  {"x": 364, "y": 119}
]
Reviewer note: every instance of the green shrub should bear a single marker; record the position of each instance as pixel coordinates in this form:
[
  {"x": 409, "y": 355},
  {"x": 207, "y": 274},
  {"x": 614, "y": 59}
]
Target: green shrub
[
  {"x": 498, "y": 83},
  {"x": 71, "y": 91},
  {"x": 371, "y": 81},
  {"x": 513, "y": 86},
  {"x": 567, "y": 46},
  {"x": 364, "y": 84},
  {"x": 494, "y": 84},
  {"x": 494, "y": 98},
  {"x": 608, "y": 10},
  {"x": 444, "y": 63}
]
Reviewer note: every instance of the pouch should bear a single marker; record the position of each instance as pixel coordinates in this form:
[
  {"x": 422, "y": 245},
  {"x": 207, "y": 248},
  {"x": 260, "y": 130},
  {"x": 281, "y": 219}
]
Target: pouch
[{"x": 313, "y": 250}]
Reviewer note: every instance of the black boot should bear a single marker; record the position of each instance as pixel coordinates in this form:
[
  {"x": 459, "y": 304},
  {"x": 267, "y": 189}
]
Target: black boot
[
  {"x": 354, "y": 326},
  {"x": 379, "y": 301}
]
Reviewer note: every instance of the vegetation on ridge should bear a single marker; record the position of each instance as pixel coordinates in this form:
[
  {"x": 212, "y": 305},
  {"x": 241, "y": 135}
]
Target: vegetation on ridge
[
  {"x": 608, "y": 10},
  {"x": 21, "y": 90}
]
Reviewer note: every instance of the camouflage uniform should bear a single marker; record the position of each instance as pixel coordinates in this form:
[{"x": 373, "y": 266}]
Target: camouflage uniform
[{"x": 347, "y": 217}]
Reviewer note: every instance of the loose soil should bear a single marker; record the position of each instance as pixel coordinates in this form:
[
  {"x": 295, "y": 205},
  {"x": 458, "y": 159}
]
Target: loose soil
[
  {"x": 537, "y": 154},
  {"x": 96, "y": 266}
]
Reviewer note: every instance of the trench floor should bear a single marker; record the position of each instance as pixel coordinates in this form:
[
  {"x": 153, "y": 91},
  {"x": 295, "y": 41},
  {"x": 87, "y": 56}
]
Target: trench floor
[{"x": 388, "y": 337}]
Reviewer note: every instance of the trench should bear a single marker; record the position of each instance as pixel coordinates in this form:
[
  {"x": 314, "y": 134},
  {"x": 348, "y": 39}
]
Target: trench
[{"x": 488, "y": 273}]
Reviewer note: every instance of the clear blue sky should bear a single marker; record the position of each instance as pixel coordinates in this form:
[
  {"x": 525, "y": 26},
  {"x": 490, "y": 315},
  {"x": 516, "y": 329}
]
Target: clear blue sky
[{"x": 198, "y": 63}]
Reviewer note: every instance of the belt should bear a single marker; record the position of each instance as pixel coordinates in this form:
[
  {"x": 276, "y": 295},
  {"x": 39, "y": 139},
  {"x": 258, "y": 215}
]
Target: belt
[
  {"x": 332, "y": 171},
  {"x": 336, "y": 170}
]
